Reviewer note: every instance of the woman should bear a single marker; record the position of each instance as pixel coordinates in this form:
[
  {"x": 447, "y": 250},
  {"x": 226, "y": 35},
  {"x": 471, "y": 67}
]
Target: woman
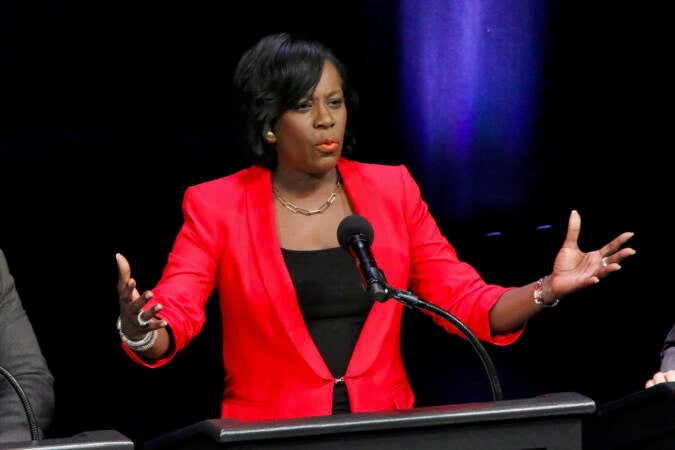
[{"x": 300, "y": 335}]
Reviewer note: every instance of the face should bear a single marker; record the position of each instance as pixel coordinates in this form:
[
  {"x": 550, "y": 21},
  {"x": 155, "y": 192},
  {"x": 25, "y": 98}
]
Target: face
[{"x": 309, "y": 137}]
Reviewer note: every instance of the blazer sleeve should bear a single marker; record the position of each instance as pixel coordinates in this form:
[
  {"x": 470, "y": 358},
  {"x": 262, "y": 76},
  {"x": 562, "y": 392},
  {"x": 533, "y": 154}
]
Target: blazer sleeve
[
  {"x": 440, "y": 276},
  {"x": 668, "y": 352},
  {"x": 188, "y": 278},
  {"x": 21, "y": 356}
]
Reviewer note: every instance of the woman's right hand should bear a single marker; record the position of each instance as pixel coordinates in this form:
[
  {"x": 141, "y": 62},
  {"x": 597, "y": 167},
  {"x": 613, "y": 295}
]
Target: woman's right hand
[{"x": 135, "y": 322}]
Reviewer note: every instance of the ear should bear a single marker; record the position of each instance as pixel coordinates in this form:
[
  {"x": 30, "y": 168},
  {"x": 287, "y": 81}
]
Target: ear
[{"x": 270, "y": 137}]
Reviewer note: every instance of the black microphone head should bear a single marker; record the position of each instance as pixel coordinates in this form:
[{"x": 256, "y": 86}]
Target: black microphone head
[{"x": 351, "y": 225}]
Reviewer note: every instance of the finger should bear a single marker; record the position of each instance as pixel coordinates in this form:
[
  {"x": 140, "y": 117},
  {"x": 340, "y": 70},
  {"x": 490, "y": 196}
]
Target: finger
[
  {"x": 143, "y": 299},
  {"x": 128, "y": 291},
  {"x": 126, "y": 286},
  {"x": 146, "y": 315},
  {"x": 622, "y": 254},
  {"x": 573, "y": 229},
  {"x": 615, "y": 244},
  {"x": 124, "y": 271},
  {"x": 659, "y": 377}
]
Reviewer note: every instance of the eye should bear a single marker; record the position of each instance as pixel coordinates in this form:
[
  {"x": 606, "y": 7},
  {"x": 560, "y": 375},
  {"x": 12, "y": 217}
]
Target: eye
[
  {"x": 335, "y": 103},
  {"x": 303, "y": 105}
]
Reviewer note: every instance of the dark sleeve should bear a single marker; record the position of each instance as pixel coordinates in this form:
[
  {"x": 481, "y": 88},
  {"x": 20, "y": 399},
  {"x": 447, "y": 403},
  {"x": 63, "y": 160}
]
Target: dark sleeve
[
  {"x": 21, "y": 356},
  {"x": 668, "y": 352}
]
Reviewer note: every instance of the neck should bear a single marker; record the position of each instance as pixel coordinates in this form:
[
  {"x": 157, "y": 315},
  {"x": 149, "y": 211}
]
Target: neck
[
  {"x": 306, "y": 197},
  {"x": 303, "y": 183}
]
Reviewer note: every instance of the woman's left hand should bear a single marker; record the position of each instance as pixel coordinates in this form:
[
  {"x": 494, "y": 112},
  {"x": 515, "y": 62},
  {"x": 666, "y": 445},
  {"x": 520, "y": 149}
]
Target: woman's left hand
[{"x": 574, "y": 269}]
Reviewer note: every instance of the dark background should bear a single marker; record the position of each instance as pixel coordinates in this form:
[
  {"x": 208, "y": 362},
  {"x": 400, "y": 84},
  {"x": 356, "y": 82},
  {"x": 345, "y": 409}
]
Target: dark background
[{"x": 113, "y": 108}]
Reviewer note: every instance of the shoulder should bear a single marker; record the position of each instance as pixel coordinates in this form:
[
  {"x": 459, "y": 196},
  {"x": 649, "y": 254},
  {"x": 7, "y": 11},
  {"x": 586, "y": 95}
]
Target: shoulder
[
  {"x": 229, "y": 188},
  {"x": 374, "y": 171},
  {"x": 385, "y": 179},
  {"x": 232, "y": 182},
  {"x": 3, "y": 261},
  {"x": 6, "y": 280}
]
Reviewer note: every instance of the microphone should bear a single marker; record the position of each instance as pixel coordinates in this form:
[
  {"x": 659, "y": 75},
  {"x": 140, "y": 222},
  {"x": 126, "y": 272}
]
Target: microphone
[{"x": 355, "y": 234}]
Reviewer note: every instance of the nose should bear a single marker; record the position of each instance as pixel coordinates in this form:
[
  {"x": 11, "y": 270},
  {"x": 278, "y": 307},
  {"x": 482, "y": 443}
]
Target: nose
[{"x": 324, "y": 117}]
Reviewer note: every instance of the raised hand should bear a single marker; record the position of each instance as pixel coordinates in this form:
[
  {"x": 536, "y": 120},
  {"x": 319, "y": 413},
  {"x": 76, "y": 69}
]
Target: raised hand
[
  {"x": 135, "y": 322},
  {"x": 574, "y": 269}
]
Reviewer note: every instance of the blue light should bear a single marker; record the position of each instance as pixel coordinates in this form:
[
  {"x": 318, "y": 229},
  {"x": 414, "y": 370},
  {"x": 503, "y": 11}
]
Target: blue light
[{"x": 470, "y": 78}]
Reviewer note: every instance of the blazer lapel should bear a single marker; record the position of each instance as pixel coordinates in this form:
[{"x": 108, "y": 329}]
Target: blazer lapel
[
  {"x": 277, "y": 283},
  {"x": 382, "y": 316}
]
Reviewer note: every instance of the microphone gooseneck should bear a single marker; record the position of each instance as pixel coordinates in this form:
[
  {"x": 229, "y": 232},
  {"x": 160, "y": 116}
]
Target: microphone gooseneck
[
  {"x": 35, "y": 432},
  {"x": 355, "y": 234}
]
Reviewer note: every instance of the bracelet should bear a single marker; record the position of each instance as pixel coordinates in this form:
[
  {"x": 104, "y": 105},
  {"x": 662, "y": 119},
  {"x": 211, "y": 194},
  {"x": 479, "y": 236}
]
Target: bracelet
[
  {"x": 143, "y": 344},
  {"x": 538, "y": 295}
]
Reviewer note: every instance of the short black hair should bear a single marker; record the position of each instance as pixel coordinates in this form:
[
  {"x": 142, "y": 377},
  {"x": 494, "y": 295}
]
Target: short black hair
[{"x": 272, "y": 77}]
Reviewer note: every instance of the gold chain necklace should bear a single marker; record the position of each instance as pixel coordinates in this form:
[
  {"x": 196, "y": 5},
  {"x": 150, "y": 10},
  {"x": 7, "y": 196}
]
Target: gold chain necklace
[{"x": 307, "y": 212}]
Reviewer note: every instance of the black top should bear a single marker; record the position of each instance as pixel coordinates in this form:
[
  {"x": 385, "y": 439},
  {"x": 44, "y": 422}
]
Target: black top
[{"x": 334, "y": 305}]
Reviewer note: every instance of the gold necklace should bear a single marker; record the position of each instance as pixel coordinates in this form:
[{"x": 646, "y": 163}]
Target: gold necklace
[{"x": 307, "y": 212}]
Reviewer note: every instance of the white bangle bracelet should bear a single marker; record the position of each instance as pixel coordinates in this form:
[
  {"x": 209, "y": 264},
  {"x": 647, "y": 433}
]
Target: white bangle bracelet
[
  {"x": 141, "y": 345},
  {"x": 538, "y": 295}
]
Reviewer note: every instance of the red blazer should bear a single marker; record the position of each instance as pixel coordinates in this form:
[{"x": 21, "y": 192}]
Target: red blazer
[{"x": 228, "y": 241}]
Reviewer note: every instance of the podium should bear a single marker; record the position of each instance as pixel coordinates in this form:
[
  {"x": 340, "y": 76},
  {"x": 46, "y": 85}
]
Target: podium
[
  {"x": 642, "y": 420},
  {"x": 95, "y": 440},
  {"x": 551, "y": 421}
]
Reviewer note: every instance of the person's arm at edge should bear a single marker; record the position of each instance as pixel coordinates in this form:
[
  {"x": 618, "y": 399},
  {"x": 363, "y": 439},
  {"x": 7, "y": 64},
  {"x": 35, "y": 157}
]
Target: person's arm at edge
[{"x": 667, "y": 371}]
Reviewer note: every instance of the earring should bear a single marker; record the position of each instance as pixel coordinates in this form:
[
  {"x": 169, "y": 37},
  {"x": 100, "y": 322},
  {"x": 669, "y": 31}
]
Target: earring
[{"x": 270, "y": 136}]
